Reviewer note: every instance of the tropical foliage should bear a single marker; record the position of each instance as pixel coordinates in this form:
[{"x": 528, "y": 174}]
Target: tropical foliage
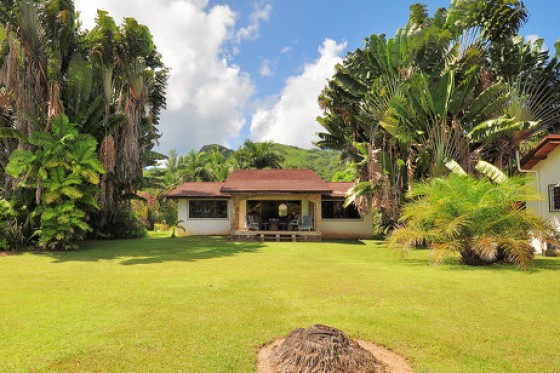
[
  {"x": 7, "y": 221},
  {"x": 460, "y": 85},
  {"x": 215, "y": 163},
  {"x": 211, "y": 163},
  {"x": 108, "y": 82},
  {"x": 481, "y": 219},
  {"x": 62, "y": 170}
]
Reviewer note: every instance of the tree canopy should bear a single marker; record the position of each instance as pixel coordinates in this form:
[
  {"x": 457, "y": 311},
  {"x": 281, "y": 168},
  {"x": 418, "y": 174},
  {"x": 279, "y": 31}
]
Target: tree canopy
[
  {"x": 108, "y": 83},
  {"x": 459, "y": 85}
]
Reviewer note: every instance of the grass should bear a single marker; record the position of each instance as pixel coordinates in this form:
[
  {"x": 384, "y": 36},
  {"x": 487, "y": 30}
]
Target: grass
[{"x": 207, "y": 304}]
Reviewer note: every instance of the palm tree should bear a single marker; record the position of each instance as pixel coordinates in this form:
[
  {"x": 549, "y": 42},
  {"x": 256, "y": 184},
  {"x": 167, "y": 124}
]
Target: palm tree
[
  {"x": 531, "y": 82},
  {"x": 193, "y": 167},
  {"x": 131, "y": 80},
  {"x": 110, "y": 81},
  {"x": 218, "y": 165},
  {"x": 437, "y": 91},
  {"x": 480, "y": 219},
  {"x": 258, "y": 155}
]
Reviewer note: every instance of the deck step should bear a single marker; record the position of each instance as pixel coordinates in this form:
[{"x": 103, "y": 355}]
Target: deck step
[{"x": 278, "y": 236}]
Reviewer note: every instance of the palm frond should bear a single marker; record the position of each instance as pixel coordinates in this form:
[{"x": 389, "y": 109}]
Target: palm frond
[
  {"x": 455, "y": 168},
  {"x": 492, "y": 172}
]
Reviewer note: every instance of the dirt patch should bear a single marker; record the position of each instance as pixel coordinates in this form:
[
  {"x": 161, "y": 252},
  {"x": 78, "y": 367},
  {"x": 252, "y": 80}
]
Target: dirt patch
[
  {"x": 5, "y": 253},
  {"x": 395, "y": 362},
  {"x": 325, "y": 349}
]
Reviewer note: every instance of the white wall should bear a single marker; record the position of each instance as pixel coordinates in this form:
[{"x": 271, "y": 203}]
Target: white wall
[
  {"x": 548, "y": 173},
  {"x": 329, "y": 228},
  {"x": 203, "y": 227},
  {"x": 348, "y": 228}
]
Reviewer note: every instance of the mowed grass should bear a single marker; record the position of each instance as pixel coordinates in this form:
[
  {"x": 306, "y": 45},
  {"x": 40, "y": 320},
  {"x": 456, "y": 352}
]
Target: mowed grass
[{"x": 206, "y": 305}]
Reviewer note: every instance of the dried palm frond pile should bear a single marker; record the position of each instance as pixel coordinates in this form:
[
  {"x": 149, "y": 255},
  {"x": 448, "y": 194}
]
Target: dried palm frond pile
[{"x": 321, "y": 348}]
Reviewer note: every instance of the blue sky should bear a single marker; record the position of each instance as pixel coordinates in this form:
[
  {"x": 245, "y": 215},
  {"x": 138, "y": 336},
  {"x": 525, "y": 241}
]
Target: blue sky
[{"x": 253, "y": 69}]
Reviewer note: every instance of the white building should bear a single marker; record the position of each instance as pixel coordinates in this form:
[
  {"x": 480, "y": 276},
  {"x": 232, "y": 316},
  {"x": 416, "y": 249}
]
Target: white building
[
  {"x": 270, "y": 202},
  {"x": 543, "y": 163}
]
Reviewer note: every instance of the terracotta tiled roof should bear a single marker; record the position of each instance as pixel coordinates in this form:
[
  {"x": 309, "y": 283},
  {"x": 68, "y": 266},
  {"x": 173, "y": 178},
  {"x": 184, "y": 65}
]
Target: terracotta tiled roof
[
  {"x": 541, "y": 151},
  {"x": 339, "y": 189},
  {"x": 199, "y": 190},
  {"x": 282, "y": 181}
]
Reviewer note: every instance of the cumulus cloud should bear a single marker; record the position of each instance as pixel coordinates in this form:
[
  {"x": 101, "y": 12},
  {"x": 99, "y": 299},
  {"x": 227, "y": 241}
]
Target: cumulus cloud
[
  {"x": 290, "y": 118},
  {"x": 207, "y": 94}
]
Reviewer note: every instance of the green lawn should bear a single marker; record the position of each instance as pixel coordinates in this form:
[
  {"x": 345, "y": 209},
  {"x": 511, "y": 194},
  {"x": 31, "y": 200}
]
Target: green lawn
[{"x": 206, "y": 305}]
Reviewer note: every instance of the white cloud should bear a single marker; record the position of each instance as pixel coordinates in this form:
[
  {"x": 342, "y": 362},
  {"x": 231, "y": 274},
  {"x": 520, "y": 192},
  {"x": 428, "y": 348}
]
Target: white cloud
[
  {"x": 206, "y": 94},
  {"x": 290, "y": 119},
  {"x": 266, "y": 70},
  {"x": 286, "y": 50},
  {"x": 251, "y": 32}
]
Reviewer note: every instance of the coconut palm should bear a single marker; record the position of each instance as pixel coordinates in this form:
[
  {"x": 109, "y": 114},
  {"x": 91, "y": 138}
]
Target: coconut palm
[
  {"x": 192, "y": 167},
  {"x": 257, "y": 155}
]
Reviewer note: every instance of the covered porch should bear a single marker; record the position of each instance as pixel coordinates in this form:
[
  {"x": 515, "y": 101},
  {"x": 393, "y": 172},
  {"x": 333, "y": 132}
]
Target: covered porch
[{"x": 277, "y": 214}]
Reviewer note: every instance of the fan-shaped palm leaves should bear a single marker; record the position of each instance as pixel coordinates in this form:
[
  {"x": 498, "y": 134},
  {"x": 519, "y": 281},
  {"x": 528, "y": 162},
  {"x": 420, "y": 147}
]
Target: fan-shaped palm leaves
[
  {"x": 479, "y": 219},
  {"x": 457, "y": 85}
]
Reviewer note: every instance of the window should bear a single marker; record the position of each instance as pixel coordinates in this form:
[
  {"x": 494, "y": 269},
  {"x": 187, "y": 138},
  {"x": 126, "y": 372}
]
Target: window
[
  {"x": 336, "y": 210},
  {"x": 208, "y": 209},
  {"x": 554, "y": 197}
]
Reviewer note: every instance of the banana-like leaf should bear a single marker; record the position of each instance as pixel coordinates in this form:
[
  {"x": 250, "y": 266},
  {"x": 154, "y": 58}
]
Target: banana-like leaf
[
  {"x": 443, "y": 94},
  {"x": 492, "y": 172},
  {"x": 500, "y": 127},
  {"x": 489, "y": 101},
  {"x": 455, "y": 168},
  {"x": 350, "y": 85},
  {"x": 362, "y": 148},
  {"x": 357, "y": 191}
]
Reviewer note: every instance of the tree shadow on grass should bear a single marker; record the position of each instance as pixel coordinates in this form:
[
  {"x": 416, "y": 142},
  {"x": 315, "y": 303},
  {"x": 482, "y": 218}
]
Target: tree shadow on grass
[
  {"x": 343, "y": 241},
  {"x": 547, "y": 264},
  {"x": 156, "y": 250},
  {"x": 453, "y": 264}
]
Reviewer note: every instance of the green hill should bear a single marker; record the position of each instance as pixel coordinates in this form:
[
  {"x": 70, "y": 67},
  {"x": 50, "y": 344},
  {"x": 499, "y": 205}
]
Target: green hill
[{"x": 323, "y": 162}]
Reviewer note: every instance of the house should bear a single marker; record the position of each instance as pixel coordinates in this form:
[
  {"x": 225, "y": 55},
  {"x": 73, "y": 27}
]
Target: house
[
  {"x": 543, "y": 163},
  {"x": 278, "y": 201}
]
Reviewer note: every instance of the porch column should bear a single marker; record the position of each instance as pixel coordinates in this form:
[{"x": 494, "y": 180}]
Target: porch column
[
  {"x": 241, "y": 212},
  {"x": 234, "y": 220},
  {"x": 318, "y": 219}
]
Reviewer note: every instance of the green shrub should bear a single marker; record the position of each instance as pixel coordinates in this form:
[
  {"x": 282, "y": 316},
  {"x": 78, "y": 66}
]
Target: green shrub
[
  {"x": 63, "y": 168},
  {"x": 125, "y": 225},
  {"x": 7, "y": 216},
  {"x": 484, "y": 220}
]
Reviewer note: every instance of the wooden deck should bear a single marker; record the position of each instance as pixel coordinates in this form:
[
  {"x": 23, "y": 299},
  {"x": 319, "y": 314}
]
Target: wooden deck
[{"x": 261, "y": 235}]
